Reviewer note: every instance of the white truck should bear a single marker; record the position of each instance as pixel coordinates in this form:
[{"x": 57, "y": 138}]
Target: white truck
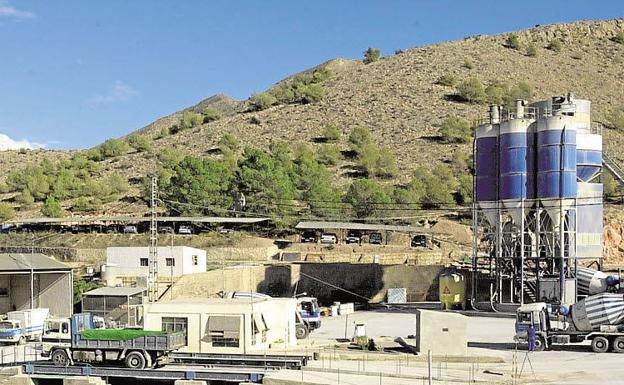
[
  {"x": 23, "y": 325},
  {"x": 598, "y": 318}
]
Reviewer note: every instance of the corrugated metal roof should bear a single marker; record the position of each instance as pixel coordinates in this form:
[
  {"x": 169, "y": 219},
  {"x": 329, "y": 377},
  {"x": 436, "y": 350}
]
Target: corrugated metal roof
[
  {"x": 115, "y": 291},
  {"x": 361, "y": 226},
  {"x": 26, "y": 262},
  {"x": 127, "y": 219}
]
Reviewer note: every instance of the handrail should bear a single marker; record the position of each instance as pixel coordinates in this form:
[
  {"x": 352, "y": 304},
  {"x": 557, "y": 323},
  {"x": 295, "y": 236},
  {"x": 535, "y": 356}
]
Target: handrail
[{"x": 614, "y": 167}]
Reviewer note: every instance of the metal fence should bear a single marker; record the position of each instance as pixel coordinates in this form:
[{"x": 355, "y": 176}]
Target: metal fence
[{"x": 19, "y": 354}]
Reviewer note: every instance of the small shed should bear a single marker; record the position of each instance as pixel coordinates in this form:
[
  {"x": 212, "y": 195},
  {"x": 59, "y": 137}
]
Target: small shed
[
  {"x": 230, "y": 326},
  {"x": 121, "y": 305},
  {"x": 173, "y": 261},
  {"x": 35, "y": 281},
  {"x": 444, "y": 333}
]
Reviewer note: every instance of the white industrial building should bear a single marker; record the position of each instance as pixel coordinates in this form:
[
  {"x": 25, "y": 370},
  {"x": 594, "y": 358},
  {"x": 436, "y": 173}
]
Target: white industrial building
[
  {"x": 172, "y": 261},
  {"x": 230, "y": 326}
]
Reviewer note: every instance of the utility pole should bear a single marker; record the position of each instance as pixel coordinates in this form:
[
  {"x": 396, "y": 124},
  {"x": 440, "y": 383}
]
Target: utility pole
[{"x": 152, "y": 279}]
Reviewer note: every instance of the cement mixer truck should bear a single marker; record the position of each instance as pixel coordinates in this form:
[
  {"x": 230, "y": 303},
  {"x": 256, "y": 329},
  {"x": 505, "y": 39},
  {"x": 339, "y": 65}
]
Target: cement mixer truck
[
  {"x": 598, "y": 318},
  {"x": 590, "y": 281}
]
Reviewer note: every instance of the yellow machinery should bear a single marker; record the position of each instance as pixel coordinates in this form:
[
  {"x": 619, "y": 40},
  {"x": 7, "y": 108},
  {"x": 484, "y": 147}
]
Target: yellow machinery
[{"x": 452, "y": 290}]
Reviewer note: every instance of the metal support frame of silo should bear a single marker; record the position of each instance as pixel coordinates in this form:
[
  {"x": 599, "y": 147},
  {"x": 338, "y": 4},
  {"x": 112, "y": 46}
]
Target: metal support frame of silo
[
  {"x": 562, "y": 262},
  {"x": 152, "y": 279}
]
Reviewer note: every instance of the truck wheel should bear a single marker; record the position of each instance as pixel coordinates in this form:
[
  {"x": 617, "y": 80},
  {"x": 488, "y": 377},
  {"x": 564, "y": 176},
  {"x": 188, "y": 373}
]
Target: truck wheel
[
  {"x": 135, "y": 360},
  {"x": 600, "y": 344},
  {"x": 301, "y": 331},
  {"x": 540, "y": 344},
  {"x": 59, "y": 358},
  {"x": 618, "y": 345}
]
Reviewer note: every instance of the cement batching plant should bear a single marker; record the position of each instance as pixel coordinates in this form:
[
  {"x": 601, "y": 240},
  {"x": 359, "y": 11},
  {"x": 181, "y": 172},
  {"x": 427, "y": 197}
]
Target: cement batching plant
[{"x": 538, "y": 211}]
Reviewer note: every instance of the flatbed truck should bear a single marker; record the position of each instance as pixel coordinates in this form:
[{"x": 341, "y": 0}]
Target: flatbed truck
[{"x": 70, "y": 340}]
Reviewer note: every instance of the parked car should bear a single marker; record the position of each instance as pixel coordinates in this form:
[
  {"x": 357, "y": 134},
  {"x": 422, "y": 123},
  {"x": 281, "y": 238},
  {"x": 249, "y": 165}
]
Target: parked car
[
  {"x": 419, "y": 241},
  {"x": 185, "y": 229},
  {"x": 353, "y": 237},
  {"x": 165, "y": 229},
  {"x": 130, "y": 229},
  {"x": 308, "y": 237},
  {"x": 375, "y": 239},
  {"x": 329, "y": 238}
]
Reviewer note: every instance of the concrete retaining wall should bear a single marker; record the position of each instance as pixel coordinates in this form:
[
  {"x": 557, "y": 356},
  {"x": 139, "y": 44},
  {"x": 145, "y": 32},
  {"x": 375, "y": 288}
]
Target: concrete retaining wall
[
  {"x": 261, "y": 254},
  {"x": 366, "y": 280}
]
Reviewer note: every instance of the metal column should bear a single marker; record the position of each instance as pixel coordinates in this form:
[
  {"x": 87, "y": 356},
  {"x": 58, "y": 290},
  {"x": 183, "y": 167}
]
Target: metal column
[{"x": 152, "y": 280}]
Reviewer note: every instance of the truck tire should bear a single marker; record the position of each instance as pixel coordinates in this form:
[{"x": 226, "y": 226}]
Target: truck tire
[
  {"x": 59, "y": 358},
  {"x": 600, "y": 344},
  {"x": 135, "y": 360},
  {"x": 540, "y": 344},
  {"x": 618, "y": 345},
  {"x": 301, "y": 331}
]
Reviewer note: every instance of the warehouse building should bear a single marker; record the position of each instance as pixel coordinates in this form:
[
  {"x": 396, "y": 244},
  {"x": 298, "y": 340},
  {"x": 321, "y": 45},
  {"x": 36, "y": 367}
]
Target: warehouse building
[
  {"x": 35, "y": 280},
  {"x": 173, "y": 261},
  {"x": 229, "y": 326}
]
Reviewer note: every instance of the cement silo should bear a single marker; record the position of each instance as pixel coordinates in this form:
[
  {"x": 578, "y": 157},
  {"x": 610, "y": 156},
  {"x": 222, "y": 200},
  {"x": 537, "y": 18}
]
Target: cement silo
[
  {"x": 486, "y": 166},
  {"x": 516, "y": 167},
  {"x": 549, "y": 160}
]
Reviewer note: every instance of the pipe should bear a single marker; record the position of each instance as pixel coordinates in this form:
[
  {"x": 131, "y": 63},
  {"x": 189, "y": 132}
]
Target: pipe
[{"x": 473, "y": 289}]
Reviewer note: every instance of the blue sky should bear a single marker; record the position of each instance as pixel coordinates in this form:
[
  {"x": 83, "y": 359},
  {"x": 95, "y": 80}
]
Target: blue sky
[{"x": 74, "y": 73}]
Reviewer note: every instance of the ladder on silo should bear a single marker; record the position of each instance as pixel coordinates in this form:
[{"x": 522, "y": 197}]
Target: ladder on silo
[{"x": 615, "y": 169}]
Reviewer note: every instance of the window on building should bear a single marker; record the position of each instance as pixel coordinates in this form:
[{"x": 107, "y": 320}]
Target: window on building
[
  {"x": 170, "y": 262},
  {"x": 144, "y": 262},
  {"x": 195, "y": 260},
  {"x": 224, "y": 331},
  {"x": 4, "y": 292},
  {"x": 176, "y": 324}
]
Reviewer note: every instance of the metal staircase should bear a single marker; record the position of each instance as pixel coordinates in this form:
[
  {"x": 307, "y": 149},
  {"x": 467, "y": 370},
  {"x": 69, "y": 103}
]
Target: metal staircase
[
  {"x": 530, "y": 291},
  {"x": 613, "y": 166}
]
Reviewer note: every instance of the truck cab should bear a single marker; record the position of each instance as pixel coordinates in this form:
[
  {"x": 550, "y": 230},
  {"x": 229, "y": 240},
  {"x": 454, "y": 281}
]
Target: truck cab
[
  {"x": 57, "y": 330},
  {"x": 11, "y": 331},
  {"x": 537, "y": 316},
  {"x": 310, "y": 312}
]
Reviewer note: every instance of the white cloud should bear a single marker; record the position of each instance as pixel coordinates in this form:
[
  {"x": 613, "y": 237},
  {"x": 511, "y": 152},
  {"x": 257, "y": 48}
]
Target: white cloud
[
  {"x": 6, "y": 143},
  {"x": 119, "y": 92},
  {"x": 9, "y": 11}
]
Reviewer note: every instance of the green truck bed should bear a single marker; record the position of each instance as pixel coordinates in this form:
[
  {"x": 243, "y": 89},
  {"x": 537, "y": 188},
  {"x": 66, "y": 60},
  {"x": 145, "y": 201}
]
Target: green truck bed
[{"x": 116, "y": 334}]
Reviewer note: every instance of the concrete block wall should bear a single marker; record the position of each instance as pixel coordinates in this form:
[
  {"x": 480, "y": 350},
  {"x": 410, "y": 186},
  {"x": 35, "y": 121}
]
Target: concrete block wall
[{"x": 442, "y": 333}]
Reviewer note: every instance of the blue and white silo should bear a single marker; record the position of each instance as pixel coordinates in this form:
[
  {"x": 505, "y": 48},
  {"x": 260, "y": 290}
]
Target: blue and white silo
[
  {"x": 556, "y": 162},
  {"x": 486, "y": 166},
  {"x": 516, "y": 162}
]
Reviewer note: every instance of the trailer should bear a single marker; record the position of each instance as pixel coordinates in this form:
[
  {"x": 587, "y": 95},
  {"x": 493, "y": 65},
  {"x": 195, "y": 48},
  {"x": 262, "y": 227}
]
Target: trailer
[
  {"x": 598, "y": 319},
  {"x": 23, "y": 325},
  {"x": 70, "y": 340}
]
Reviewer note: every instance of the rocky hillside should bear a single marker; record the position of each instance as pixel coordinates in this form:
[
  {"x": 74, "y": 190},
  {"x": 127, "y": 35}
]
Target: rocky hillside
[{"x": 400, "y": 100}]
